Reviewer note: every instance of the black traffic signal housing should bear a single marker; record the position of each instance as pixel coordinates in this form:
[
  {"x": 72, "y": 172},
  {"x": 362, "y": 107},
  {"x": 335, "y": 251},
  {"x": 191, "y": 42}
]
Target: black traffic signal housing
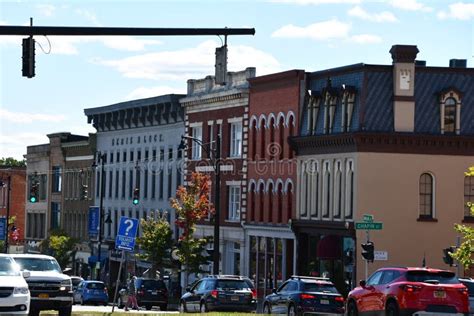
[
  {"x": 33, "y": 198},
  {"x": 348, "y": 258},
  {"x": 28, "y": 57},
  {"x": 136, "y": 196},
  {"x": 84, "y": 192},
  {"x": 447, "y": 258},
  {"x": 368, "y": 251}
]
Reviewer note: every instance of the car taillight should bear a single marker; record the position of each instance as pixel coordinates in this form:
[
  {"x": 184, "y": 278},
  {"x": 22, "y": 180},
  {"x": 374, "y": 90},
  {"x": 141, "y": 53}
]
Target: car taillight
[
  {"x": 140, "y": 292},
  {"x": 464, "y": 291},
  {"x": 307, "y": 296},
  {"x": 254, "y": 293},
  {"x": 339, "y": 299},
  {"x": 410, "y": 288},
  {"x": 214, "y": 293}
]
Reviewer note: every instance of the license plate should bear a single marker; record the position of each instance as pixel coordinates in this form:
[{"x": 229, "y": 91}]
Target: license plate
[
  {"x": 324, "y": 302},
  {"x": 439, "y": 294},
  {"x": 234, "y": 298},
  {"x": 154, "y": 293},
  {"x": 43, "y": 295}
]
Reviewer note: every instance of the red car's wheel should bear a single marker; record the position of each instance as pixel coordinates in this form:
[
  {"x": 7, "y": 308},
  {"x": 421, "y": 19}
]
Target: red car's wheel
[
  {"x": 392, "y": 309},
  {"x": 352, "y": 309}
]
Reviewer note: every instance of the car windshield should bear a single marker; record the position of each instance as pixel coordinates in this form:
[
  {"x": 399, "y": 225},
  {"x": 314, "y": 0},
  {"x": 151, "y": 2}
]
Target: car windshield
[
  {"x": 319, "y": 287},
  {"x": 76, "y": 281},
  {"x": 38, "y": 264},
  {"x": 444, "y": 277},
  {"x": 8, "y": 267},
  {"x": 153, "y": 284},
  {"x": 95, "y": 285},
  {"x": 232, "y": 284}
]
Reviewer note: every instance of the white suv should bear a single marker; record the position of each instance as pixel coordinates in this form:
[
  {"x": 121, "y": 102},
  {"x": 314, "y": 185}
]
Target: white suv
[{"x": 14, "y": 293}]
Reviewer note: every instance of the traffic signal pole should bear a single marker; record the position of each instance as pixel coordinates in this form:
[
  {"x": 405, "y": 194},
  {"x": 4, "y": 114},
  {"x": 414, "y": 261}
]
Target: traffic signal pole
[{"x": 367, "y": 233}]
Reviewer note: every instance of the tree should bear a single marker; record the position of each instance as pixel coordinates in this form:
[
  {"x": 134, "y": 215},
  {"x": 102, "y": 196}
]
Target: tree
[
  {"x": 60, "y": 246},
  {"x": 12, "y": 162},
  {"x": 192, "y": 205},
  {"x": 156, "y": 242},
  {"x": 464, "y": 252}
]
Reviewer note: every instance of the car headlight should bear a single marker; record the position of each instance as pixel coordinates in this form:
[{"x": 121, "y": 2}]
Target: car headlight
[
  {"x": 20, "y": 290},
  {"x": 66, "y": 285}
]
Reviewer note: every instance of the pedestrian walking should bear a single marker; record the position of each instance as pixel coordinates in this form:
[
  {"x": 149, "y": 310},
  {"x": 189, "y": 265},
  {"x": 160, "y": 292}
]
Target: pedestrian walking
[{"x": 132, "y": 294}]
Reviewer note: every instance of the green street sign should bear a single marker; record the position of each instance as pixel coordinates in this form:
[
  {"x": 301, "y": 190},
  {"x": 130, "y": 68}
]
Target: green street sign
[
  {"x": 368, "y": 218},
  {"x": 368, "y": 226}
]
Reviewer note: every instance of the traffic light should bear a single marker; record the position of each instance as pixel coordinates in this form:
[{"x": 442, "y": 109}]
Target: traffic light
[
  {"x": 34, "y": 191},
  {"x": 348, "y": 257},
  {"x": 447, "y": 258},
  {"x": 84, "y": 192},
  {"x": 28, "y": 57},
  {"x": 368, "y": 251},
  {"x": 136, "y": 196}
]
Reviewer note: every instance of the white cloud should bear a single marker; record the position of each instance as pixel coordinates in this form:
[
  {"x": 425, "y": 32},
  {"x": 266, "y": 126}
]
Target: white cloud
[
  {"x": 458, "y": 11},
  {"x": 410, "y": 5},
  {"x": 316, "y": 2},
  {"x": 21, "y": 117},
  {"x": 194, "y": 62},
  {"x": 14, "y": 144},
  {"x": 384, "y": 16},
  {"x": 143, "y": 92},
  {"x": 318, "y": 31},
  {"x": 366, "y": 39},
  {"x": 88, "y": 15},
  {"x": 46, "y": 9}
]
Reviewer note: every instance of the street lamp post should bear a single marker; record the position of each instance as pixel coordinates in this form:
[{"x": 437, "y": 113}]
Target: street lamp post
[
  {"x": 216, "y": 152},
  {"x": 101, "y": 157}
]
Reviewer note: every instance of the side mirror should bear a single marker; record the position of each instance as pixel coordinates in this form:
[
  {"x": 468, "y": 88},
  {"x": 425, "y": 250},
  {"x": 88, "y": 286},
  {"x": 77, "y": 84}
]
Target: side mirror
[
  {"x": 362, "y": 283},
  {"x": 26, "y": 274},
  {"x": 274, "y": 291},
  {"x": 188, "y": 289}
]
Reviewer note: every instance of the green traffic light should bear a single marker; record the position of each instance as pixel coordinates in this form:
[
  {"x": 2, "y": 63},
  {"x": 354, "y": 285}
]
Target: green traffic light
[
  {"x": 135, "y": 202},
  {"x": 33, "y": 199}
]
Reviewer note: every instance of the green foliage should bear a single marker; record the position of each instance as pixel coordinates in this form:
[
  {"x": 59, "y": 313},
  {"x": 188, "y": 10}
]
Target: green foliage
[
  {"x": 156, "y": 242},
  {"x": 464, "y": 252},
  {"x": 60, "y": 246},
  {"x": 192, "y": 205},
  {"x": 12, "y": 162}
]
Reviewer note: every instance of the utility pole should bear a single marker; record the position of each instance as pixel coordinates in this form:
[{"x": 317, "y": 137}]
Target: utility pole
[
  {"x": 217, "y": 203},
  {"x": 101, "y": 157}
]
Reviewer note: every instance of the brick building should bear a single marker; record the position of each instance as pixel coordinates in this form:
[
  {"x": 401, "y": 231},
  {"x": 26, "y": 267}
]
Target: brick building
[
  {"x": 392, "y": 141},
  {"x": 12, "y": 196},
  {"x": 274, "y": 109},
  {"x": 212, "y": 109}
]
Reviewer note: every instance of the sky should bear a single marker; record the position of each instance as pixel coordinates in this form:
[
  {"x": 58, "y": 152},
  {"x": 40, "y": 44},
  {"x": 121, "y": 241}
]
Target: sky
[{"x": 74, "y": 73}]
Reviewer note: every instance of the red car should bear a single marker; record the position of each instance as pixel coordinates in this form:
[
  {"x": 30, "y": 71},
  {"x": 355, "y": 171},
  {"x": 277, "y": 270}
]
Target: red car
[{"x": 404, "y": 291}]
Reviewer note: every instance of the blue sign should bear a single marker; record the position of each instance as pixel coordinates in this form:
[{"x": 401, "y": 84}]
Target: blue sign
[
  {"x": 126, "y": 234},
  {"x": 93, "y": 220},
  {"x": 3, "y": 223}
]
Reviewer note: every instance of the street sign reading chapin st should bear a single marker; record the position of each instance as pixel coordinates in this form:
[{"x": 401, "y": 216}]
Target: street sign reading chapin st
[{"x": 368, "y": 226}]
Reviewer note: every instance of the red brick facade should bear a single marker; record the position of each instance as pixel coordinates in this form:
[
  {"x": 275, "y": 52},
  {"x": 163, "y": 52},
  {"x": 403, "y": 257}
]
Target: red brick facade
[{"x": 17, "y": 196}]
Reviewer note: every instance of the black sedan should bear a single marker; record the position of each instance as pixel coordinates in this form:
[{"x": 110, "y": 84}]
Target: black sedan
[
  {"x": 304, "y": 295},
  {"x": 230, "y": 293}
]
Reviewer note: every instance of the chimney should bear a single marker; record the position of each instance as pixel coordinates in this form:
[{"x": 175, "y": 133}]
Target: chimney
[
  {"x": 457, "y": 63},
  {"x": 404, "y": 57}
]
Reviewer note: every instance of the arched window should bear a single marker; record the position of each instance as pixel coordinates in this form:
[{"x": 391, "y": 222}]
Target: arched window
[
  {"x": 270, "y": 211},
  {"x": 426, "y": 196},
  {"x": 279, "y": 202},
  {"x": 289, "y": 192},
  {"x": 262, "y": 140},
  {"x": 273, "y": 151},
  {"x": 303, "y": 190},
  {"x": 327, "y": 189},
  {"x": 450, "y": 116},
  {"x": 338, "y": 194},
  {"x": 281, "y": 139},
  {"x": 468, "y": 195},
  {"x": 291, "y": 128},
  {"x": 315, "y": 189},
  {"x": 309, "y": 187},
  {"x": 253, "y": 130},
  {"x": 261, "y": 192},
  {"x": 349, "y": 204},
  {"x": 450, "y": 111},
  {"x": 252, "y": 203}
]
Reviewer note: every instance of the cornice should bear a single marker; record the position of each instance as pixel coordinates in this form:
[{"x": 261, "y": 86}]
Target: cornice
[{"x": 405, "y": 143}]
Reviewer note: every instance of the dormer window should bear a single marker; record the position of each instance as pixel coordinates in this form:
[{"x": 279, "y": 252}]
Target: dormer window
[
  {"x": 314, "y": 101},
  {"x": 348, "y": 99},
  {"x": 450, "y": 111}
]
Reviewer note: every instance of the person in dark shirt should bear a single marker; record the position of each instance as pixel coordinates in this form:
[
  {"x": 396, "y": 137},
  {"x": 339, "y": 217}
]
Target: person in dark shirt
[{"x": 132, "y": 294}]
